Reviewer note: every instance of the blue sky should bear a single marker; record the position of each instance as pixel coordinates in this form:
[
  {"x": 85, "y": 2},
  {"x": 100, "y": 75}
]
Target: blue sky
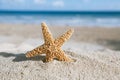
[{"x": 76, "y": 5}]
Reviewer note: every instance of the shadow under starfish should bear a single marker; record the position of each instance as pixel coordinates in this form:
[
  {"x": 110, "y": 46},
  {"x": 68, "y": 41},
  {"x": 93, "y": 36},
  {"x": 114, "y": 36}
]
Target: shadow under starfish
[
  {"x": 21, "y": 57},
  {"x": 51, "y": 48}
]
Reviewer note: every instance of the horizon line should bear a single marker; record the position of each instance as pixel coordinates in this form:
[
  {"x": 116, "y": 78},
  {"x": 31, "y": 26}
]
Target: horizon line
[{"x": 59, "y": 11}]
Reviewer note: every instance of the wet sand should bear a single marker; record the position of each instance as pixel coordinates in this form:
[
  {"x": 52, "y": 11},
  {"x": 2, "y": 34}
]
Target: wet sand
[{"x": 108, "y": 37}]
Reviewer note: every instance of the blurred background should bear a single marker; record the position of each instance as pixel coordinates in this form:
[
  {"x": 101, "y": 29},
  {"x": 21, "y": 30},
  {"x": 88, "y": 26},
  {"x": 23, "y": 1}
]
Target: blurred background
[
  {"x": 95, "y": 21},
  {"x": 62, "y": 12}
]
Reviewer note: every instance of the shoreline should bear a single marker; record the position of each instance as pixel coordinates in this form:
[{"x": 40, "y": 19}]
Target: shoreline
[
  {"x": 64, "y": 25},
  {"x": 108, "y": 37}
]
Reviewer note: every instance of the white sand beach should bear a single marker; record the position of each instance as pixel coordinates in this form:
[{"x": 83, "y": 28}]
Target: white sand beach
[{"x": 92, "y": 60}]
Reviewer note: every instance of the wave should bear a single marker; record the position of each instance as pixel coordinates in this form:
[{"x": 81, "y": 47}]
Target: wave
[{"x": 76, "y": 20}]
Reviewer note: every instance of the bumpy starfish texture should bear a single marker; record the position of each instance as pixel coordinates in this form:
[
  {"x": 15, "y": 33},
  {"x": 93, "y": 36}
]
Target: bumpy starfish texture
[{"x": 51, "y": 47}]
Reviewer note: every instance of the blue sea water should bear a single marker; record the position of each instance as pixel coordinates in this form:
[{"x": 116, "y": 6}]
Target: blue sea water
[{"x": 70, "y": 18}]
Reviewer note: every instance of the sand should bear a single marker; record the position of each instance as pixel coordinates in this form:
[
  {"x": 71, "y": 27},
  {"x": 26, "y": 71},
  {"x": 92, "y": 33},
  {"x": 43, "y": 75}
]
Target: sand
[{"x": 92, "y": 60}]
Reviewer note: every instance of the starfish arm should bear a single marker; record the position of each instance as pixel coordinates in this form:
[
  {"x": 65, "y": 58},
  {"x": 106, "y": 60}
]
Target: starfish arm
[
  {"x": 60, "y": 55},
  {"x": 60, "y": 40},
  {"x": 36, "y": 51},
  {"x": 49, "y": 58},
  {"x": 49, "y": 55},
  {"x": 46, "y": 34}
]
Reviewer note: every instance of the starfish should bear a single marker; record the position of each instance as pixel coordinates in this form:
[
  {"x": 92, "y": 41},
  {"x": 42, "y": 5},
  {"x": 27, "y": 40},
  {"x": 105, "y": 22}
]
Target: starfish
[{"x": 51, "y": 47}]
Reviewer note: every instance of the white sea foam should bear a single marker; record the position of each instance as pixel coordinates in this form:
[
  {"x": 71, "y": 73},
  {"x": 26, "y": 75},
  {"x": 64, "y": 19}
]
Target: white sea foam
[{"x": 72, "y": 20}]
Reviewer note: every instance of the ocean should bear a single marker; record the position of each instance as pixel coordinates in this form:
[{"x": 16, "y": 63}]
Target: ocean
[{"x": 67, "y": 18}]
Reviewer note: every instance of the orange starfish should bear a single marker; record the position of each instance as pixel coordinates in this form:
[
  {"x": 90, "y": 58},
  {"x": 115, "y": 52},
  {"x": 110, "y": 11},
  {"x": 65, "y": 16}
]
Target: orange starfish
[{"x": 51, "y": 47}]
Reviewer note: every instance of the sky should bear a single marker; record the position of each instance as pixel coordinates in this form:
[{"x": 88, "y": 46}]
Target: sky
[{"x": 61, "y": 5}]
